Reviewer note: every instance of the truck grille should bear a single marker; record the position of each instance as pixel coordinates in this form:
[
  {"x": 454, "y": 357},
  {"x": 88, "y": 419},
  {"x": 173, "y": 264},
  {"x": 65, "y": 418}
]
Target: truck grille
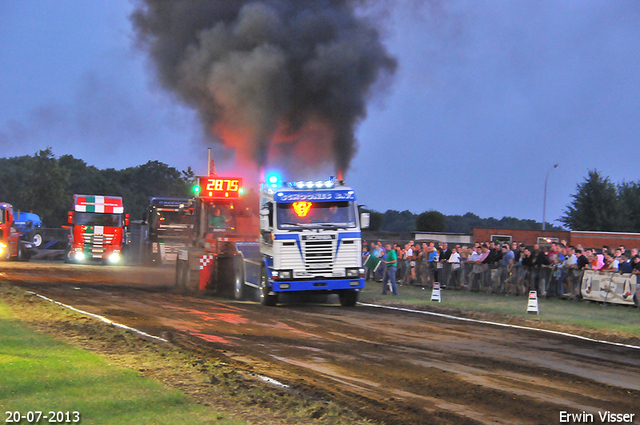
[
  {"x": 318, "y": 256},
  {"x": 95, "y": 244}
]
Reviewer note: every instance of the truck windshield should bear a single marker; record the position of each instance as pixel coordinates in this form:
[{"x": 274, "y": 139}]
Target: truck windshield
[
  {"x": 98, "y": 219},
  {"x": 221, "y": 217},
  {"x": 172, "y": 219},
  {"x": 315, "y": 215},
  {"x": 1, "y": 215}
]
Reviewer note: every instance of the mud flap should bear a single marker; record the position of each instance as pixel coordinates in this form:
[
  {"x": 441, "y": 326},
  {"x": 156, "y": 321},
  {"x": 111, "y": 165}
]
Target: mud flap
[{"x": 207, "y": 267}]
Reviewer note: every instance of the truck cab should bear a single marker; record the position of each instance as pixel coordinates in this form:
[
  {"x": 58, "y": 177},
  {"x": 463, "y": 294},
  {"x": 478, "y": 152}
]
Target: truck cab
[
  {"x": 98, "y": 229},
  {"x": 310, "y": 240},
  {"x": 170, "y": 227},
  {"x": 10, "y": 244},
  {"x": 225, "y": 221}
]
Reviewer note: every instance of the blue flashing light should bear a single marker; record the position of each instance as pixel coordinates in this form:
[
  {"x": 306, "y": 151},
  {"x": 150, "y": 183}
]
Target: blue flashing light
[{"x": 273, "y": 180}]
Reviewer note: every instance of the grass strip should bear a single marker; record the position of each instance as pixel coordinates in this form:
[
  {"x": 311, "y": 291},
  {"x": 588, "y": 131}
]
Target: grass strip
[
  {"x": 40, "y": 373},
  {"x": 615, "y": 322}
]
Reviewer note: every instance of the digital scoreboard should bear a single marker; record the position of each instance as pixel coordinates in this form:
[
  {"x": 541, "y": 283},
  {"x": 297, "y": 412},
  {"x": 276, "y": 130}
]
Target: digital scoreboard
[{"x": 219, "y": 187}]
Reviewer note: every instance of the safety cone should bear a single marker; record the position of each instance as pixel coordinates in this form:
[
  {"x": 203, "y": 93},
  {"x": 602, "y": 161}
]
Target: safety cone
[
  {"x": 435, "y": 294},
  {"x": 532, "y": 307}
]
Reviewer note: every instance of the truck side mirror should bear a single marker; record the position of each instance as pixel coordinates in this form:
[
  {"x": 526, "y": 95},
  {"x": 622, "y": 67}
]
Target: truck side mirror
[
  {"x": 70, "y": 217},
  {"x": 126, "y": 219},
  {"x": 9, "y": 217},
  {"x": 264, "y": 219},
  {"x": 365, "y": 219}
]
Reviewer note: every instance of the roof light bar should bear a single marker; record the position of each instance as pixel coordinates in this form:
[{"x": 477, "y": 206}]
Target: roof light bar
[{"x": 275, "y": 182}]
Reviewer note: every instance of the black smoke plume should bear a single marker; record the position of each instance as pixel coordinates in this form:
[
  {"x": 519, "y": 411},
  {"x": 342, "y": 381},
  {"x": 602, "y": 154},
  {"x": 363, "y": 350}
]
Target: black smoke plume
[{"x": 279, "y": 81}]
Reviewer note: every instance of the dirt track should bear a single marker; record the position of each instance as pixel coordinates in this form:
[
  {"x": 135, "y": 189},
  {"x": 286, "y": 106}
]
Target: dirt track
[{"x": 392, "y": 366}]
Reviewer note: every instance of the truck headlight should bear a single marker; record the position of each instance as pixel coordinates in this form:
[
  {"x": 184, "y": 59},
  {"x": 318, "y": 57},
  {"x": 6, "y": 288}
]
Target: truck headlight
[
  {"x": 359, "y": 272},
  {"x": 2, "y": 246},
  {"x": 282, "y": 274},
  {"x": 115, "y": 256},
  {"x": 78, "y": 254}
]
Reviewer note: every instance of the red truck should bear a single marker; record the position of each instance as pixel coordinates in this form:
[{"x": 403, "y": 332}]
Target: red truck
[
  {"x": 98, "y": 229},
  {"x": 10, "y": 244}
]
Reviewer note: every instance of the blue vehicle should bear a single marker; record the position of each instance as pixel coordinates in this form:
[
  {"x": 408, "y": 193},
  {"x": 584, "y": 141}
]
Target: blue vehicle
[{"x": 30, "y": 227}]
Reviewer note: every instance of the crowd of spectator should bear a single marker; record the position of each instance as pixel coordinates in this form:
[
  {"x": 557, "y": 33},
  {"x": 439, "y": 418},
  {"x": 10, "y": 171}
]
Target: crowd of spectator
[{"x": 519, "y": 268}]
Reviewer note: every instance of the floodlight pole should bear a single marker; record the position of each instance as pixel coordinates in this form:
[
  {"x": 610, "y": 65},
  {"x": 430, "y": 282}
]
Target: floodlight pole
[{"x": 544, "y": 204}]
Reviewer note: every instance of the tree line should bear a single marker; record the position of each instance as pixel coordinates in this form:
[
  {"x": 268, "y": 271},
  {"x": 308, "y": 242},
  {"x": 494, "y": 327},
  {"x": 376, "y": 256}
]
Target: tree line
[
  {"x": 435, "y": 221},
  {"x": 45, "y": 184}
]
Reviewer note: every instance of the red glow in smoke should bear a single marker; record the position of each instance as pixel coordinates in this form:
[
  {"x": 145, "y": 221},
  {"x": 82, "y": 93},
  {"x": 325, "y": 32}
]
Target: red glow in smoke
[{"x": 310, "y": 147}]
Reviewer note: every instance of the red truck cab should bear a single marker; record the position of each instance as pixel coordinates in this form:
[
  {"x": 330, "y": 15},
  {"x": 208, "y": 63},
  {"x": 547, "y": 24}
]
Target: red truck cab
[
  {"x": 98, "y": 229},
  {"x": 10, "y": 244}
]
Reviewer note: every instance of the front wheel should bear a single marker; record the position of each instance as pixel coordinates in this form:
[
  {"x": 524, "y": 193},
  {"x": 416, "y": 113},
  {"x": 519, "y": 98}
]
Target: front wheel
[
  {"x": 26, "y": 256},
  {"x": 267, "y": 297},
  {"x": 37, "y": 239},
  {"x": 19, "y": 253},
  {"x": 348, "y": 298},
  {"x": 67, "y": 256},
  {"x": 181, "y": 275}
]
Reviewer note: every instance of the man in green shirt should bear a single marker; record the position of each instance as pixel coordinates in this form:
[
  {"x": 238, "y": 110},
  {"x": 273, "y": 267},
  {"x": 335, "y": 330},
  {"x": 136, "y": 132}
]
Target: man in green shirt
[
  {"x": 217, "y": 219},
  {"x": 391, "y": 261}
]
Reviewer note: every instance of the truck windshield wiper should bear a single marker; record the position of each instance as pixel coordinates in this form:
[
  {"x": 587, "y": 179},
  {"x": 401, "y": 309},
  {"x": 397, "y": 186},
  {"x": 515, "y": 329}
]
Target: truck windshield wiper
[{"x": 334, "y": 225}]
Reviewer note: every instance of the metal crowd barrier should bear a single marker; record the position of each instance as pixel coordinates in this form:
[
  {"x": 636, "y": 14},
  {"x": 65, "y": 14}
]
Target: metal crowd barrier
[{"x": 549, "y": 281}]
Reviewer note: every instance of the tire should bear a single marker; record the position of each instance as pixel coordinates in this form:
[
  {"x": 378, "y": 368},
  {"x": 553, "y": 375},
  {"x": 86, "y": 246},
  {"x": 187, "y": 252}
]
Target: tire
[
  {"x": 67, "y": 256},
  {"x": 191, "y": 280},
  {"x": 239, "y": 292},
  {"x": 182, "y": 277},
  {"x": 266, "y": 298},
  {"x": 19, "y": 253},
  {"x": 37, "y": 239},
  {"x": 349, "y": 297},
  {"x": 179, "y": 283}
]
